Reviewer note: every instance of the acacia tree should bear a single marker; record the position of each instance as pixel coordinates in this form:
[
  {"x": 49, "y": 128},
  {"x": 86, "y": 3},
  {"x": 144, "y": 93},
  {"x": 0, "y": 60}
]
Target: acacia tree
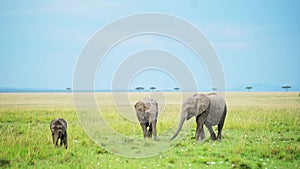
[
  {"x": 214, "y": 89},
  {"x": 176, "y": 88},
  {"x": 152, "y": 88},
  {"x": 139, "y": 89},
  {"x": 249, "y": 88},
  {"x": 286, "y": 88}
]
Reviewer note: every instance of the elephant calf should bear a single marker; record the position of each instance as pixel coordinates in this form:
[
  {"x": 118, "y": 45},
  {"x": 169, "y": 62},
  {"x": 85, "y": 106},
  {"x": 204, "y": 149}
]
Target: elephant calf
[
  {"x": 147, "y": 112},
  {"x": 209, "y": 110},
  {"x": 58, "y": 128}
]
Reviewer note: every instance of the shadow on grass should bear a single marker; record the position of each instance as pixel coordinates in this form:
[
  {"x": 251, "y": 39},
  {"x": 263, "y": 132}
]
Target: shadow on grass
[{"x": 4, "y": 163}]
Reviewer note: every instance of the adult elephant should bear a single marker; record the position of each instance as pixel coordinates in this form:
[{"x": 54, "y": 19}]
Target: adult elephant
[
  {"x": 147, "y": 112},
  {"x": 208, "y": 109}
]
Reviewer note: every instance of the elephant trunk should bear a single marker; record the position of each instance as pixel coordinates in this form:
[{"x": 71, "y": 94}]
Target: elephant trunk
[
  {"x": 55, "y": 139},
  {"x": 179, "y": 126}
]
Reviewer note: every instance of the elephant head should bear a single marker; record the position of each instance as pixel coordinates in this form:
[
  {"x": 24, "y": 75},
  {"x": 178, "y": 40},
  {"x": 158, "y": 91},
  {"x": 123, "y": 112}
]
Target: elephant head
[
  {"x": 192, "y": 106},
  {"x": 140, "y": 108}
]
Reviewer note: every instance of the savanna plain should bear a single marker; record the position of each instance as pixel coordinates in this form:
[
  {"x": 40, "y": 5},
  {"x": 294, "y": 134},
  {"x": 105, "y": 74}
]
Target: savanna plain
[{"x": 262, "y": 130}]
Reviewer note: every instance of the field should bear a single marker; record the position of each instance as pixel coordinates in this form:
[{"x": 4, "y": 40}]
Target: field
[{"x": 262, "y": 130}]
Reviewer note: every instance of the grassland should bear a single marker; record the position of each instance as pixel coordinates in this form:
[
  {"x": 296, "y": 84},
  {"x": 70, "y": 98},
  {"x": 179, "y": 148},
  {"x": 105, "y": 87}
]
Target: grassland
[{"x": 262, "y": 130}]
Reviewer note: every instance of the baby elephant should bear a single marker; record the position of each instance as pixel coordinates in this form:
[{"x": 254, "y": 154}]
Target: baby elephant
[
  {"x": 146, "y": 112},
  {"x": 58, "y": 128}
]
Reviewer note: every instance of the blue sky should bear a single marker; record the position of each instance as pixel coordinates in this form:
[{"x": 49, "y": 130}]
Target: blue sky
[{"x": 257, "y": 42}]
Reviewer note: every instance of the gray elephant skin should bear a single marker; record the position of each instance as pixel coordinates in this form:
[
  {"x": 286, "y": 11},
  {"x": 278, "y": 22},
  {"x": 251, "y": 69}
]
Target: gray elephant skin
[
  {"x": 209, "y": 110},
  {"x": 58, "y": 129},
  {"x": 147, "y": 112}
]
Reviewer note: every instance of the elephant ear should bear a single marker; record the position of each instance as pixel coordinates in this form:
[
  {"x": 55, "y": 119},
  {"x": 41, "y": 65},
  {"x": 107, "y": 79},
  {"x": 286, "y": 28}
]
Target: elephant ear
[
  {"x": 136, "y": 104},
  {"x": 139, "y": 105},
  {"x": 202, "y": 104}
]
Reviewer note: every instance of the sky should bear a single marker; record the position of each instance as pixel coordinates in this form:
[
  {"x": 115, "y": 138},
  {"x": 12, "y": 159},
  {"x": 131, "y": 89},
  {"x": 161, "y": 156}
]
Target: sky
[{"x": 257, "y": 42}]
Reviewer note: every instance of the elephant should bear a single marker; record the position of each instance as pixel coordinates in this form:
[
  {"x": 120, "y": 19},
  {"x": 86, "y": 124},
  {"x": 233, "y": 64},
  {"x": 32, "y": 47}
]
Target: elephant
[
  {"x": 208, "y": 109},
  {"x": 147, "y": 112},
  {"x": 58, "y": 128}
]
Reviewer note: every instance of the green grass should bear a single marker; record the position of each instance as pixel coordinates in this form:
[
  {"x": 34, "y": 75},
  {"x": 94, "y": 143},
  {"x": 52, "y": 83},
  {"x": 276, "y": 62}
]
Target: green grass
[{"x": 262, "y": 130}]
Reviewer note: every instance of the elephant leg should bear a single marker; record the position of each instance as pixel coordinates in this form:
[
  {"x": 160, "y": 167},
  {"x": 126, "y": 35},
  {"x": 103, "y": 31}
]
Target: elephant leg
[
  {"x": 149, "y": 134},
  {"x": 200, "y": 120},
  {"x": 211, "y": 131},
  {"x": 144, "y": 128},
  {"x": 221, "y": 124},
  {"x": 153, "y": 124},
  {"x": 202, "y": 134},
  {"x": 199, "y": 128},
  {"x": 220, "y": 127},
  {"x": 61, "y": 141},
  {"x": 65, "y": 140},
  {"x": 65, "y": 143}
]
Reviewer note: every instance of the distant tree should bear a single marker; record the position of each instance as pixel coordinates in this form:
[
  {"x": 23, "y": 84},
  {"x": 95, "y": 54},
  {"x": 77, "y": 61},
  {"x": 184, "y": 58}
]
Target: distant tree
[
  {"x": 214, "y": 89},
  {"x": 68, "y": 88},
  {"x": 286, "y": 88},
  {"x": 249, "y": 88},
  {"x": 152, "y": 88},
  {"x": 139, "y": 89},
  {"x": 176, "y": 88}
]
